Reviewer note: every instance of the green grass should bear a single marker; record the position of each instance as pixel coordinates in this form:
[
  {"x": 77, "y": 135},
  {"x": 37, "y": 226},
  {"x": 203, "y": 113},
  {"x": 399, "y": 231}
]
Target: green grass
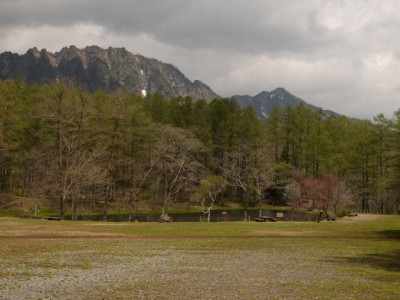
[{"x": 354, "y": 258}]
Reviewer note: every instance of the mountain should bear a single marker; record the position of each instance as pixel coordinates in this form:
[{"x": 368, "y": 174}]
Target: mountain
[
  {"x": 264, "y": 102},
  {"x": 107, "y": 69}
]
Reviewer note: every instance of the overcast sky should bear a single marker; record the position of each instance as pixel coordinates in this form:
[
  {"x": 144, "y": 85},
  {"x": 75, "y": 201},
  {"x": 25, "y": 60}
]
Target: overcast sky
[{"x": 338, "y": 54}]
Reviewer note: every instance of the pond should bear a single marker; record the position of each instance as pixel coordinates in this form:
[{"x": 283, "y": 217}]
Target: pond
[{"x": 216, "y": 216}]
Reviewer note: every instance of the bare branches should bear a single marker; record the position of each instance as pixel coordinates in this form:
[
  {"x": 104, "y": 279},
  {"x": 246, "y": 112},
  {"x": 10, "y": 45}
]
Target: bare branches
[
  {"x": 177, "y": 167},
  {"x": 209, "y": 189}
]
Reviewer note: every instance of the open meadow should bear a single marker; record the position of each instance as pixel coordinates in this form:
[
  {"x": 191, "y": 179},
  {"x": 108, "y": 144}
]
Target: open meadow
[{"x": 353, "y": 258}]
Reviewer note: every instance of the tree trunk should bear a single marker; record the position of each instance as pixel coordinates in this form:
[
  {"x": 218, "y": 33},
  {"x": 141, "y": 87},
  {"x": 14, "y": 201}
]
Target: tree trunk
[
  {"x": 131, "y": 216},
  {"x": 165, "y": 202},
  {"x": 60, "y": 151},
  {"x": 134, "y": 206},
  {"x": 74, "y": 209},
  {"x": 327, "y": 215},
  {"x": 319, "y": 216},
  {"x": 62, "y": 212}
]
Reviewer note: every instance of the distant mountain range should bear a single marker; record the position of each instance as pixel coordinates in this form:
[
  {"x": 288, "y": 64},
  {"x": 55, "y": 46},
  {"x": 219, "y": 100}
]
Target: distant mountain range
[
  {"x": 108, "y": 69},
  {"x": 264, "y": 102}
]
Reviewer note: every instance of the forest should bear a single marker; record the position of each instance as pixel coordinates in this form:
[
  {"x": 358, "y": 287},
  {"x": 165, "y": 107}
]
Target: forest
[{"x": 74, "y": 152}]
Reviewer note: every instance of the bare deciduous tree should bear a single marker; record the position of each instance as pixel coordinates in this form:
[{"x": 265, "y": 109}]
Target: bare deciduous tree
[
  {"x": 207, "y": 193},
  {"x": 248, "y": 169},
  {"x": 178, "y": 168}
]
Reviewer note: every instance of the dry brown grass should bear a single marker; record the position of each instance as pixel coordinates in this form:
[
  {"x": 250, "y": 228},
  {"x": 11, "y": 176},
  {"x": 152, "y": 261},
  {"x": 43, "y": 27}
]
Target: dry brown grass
[{"x": 350, "y": 259}]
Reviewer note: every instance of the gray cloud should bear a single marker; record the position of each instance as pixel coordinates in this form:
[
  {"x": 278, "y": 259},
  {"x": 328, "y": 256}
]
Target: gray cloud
[
  {"x": 341, "y": 55},
  {"x": 238, "y": 25}
]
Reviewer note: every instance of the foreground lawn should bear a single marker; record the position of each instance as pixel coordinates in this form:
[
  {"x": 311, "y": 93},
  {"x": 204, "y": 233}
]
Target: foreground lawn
[{"x": 354, "y": 258}]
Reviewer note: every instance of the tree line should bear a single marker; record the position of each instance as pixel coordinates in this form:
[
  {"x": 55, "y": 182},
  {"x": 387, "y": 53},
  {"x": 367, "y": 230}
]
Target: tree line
[{"x": 78, "y": 153}]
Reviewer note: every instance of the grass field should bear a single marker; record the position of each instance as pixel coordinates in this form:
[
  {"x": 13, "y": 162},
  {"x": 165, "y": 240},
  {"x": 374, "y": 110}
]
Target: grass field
[{"x": 354, "y": 258}]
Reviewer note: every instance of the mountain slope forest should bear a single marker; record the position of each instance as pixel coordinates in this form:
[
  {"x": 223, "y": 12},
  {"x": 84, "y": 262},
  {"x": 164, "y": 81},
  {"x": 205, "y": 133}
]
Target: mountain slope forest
[{"x": 76, "y": 152}]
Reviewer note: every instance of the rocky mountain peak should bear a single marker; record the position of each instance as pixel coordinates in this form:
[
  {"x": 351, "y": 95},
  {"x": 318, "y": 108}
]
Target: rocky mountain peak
[
  {"x": 34, "y": 52},
  {"x": 107, "y": 69},
  {"x": 264, "y": 102}
]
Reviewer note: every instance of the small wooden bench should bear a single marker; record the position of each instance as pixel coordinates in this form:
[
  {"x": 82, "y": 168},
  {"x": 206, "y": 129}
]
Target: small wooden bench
[
  {"x": 265, "y": 219},
  {"x": 52, "y": 218}
]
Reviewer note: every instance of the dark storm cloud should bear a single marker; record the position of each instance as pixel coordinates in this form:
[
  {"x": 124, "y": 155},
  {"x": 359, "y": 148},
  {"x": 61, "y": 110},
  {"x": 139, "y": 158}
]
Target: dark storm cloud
[{"x": 239, "y": 25}]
